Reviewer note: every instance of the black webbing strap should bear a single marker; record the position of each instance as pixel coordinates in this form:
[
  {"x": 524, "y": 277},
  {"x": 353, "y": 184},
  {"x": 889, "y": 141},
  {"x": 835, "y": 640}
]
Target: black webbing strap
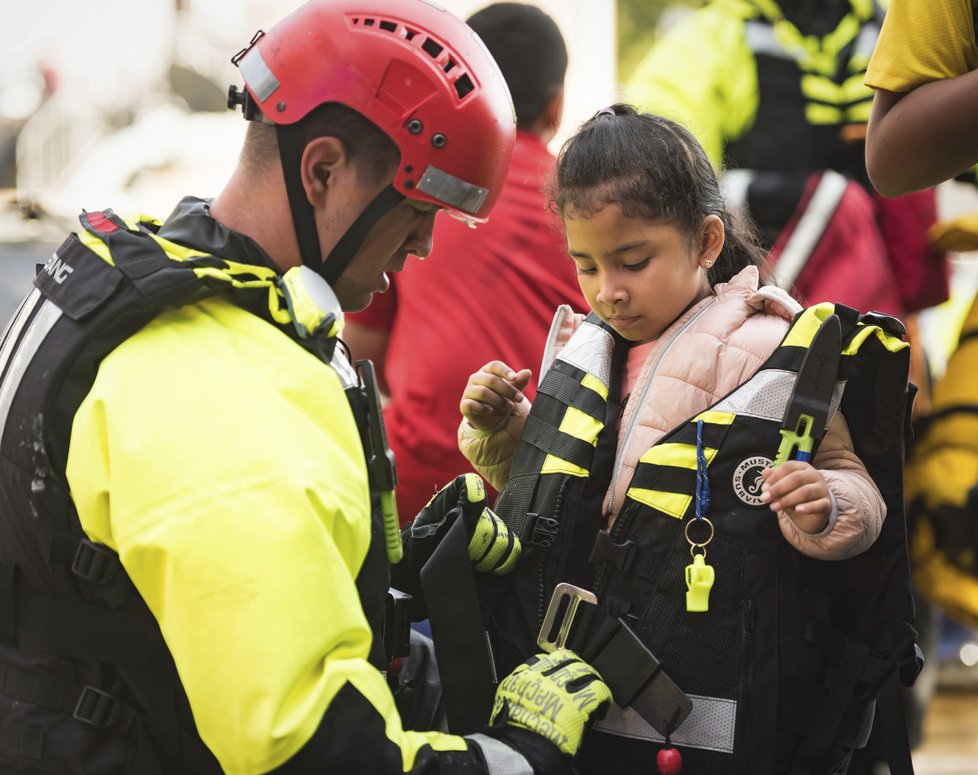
[
  {"x": 632, "y": 672},
  {"x": 825, "y": 726},
  {"x": 649, "y": 476},
  {"x": 893, "y": 726},
  {"x": 73, "y": 630},
  {"x": 340, "y": 256},
  {"x": 572, "y": 392},
  {"x": 548, "y": 438},
  {"x": 87, "y": 704},
  {"x": 303, "y": 218},
  {"x": 21, "y": 740},
  {"x": 458, "y": 632}
]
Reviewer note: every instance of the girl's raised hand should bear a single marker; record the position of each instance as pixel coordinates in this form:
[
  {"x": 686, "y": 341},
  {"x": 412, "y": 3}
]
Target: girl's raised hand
[
  {"x": 799, "y": 490},
  {"x": 491, "y": 394}
]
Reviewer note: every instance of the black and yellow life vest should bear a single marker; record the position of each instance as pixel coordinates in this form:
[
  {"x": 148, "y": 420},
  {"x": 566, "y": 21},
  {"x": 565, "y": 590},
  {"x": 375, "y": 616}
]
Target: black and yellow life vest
[
  {"x": 85, "y": 677},
  {"x": 783, "y": 669},
  {"x": 809, "y": 88},
  {"x": 942, "y": 485}
]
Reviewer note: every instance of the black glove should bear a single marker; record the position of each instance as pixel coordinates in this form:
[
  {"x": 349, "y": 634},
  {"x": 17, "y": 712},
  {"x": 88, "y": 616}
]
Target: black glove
[{"x": 492, "y": 547}]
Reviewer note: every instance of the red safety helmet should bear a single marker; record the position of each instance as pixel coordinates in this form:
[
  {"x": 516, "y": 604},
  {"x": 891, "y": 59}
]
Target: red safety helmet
[{"x": 415, "y": 70}]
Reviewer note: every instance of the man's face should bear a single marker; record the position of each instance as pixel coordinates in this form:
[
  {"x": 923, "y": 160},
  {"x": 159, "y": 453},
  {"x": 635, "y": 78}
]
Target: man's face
[{"x": 405, "y": 230}]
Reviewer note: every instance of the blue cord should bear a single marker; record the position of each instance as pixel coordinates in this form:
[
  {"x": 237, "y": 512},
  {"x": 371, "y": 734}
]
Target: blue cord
[{"x": 702, "y": 475}]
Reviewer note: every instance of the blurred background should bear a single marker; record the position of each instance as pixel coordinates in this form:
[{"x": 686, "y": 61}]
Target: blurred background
[{"x": 123, "y": 105}]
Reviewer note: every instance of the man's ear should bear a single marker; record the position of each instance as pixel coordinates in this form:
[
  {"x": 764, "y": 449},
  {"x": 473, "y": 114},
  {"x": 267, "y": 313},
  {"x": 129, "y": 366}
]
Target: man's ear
[{"x": 321, "y": 159}]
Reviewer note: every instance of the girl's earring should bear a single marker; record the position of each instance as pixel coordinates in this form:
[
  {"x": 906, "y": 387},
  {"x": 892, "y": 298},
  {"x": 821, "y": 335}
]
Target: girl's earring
[{"x": 708, "y": 264}]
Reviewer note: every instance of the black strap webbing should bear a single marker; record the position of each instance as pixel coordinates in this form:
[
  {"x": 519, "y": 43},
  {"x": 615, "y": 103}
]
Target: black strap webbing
[
  {"x": 550, "y": 439},
  {"x": 459, "y": 634},
  {"x": 632, "y": 672},
  {"x": 893, "y": 726},
  {"x": 73, "y": 630},
  {"x": 825, "y": 727},
  {"x": 666, "y": 478},
  {"x": 570, "y": 391}
]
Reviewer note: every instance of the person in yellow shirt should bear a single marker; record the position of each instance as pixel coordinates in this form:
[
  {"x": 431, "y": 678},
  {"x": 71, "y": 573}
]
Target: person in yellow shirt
[
  {"x": 191, "y": 579},
  {"x": 924, "y": 130}
]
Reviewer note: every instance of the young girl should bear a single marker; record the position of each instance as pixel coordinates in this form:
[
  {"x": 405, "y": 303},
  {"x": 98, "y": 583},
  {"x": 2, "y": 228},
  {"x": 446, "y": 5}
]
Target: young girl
[{"x": 651, "y": 445}]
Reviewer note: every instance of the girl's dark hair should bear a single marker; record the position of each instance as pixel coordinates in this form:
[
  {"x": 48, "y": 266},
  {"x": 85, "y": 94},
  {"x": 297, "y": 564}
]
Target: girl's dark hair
[{"x": 655, "y": 169}]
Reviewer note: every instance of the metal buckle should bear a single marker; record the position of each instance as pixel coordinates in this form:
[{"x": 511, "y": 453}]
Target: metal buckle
[{"x": 575, "y": 596}]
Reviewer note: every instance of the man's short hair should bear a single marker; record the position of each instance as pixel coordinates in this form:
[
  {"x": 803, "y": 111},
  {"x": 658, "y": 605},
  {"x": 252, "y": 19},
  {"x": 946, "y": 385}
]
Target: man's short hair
[
  {"x": 366, "y": 144},
  {"x": 530, "y": 51}
]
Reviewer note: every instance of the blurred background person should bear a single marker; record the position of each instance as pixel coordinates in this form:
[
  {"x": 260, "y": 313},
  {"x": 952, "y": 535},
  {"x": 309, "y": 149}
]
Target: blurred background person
[
  {"x": 775, "y": 93},
  {"x": 924, "y": 130},
  {"x": 483, "y": 294}
]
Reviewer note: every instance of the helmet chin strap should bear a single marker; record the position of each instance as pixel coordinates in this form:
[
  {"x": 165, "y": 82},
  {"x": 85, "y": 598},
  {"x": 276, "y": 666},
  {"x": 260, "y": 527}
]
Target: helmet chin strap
[{"x": 304, "y": 219}]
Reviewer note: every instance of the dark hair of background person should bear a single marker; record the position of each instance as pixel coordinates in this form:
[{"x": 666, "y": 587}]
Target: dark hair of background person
[
  {"x": 365, "y": 143},
  {"x": 652, "y": 168},
  {"x": 530, "y": 51}
]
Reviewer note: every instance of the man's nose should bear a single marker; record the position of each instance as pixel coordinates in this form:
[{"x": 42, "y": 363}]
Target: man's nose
[{"x": 421, "y": 239}]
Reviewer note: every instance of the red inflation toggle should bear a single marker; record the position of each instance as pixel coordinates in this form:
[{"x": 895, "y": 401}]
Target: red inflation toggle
[{"x": 669, "y": 761}]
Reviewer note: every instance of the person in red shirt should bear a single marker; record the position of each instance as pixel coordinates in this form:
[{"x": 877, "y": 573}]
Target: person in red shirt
[{"x": 485, "y": 293}]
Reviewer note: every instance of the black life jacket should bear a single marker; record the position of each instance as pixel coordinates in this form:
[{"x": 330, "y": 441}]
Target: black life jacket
[
  {"x": 86, "y": 682},
  {"x": 783, "y": 669}
]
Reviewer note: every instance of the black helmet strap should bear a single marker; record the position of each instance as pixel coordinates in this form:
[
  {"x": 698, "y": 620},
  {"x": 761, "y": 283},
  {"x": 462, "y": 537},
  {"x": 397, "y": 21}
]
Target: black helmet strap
[{"x": 304, "y": 219}]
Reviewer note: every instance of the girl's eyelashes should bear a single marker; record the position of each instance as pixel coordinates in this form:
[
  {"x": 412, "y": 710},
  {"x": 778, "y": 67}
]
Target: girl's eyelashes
[
  {"x": 585, "y": 270},
  {"x": 638, "y": 266}
]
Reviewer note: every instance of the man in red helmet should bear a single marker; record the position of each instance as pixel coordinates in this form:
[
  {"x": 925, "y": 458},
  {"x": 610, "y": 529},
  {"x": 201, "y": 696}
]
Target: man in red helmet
[{"x": 190, "y": 577}]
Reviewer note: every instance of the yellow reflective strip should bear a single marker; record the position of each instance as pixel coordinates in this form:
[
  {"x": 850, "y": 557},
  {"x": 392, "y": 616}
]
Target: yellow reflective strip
[
  {"x": 134, "y": 219},
  {"x": 677, "y": 455},
  {"x": 595, "y": 384},
  {"x": 821, "y": 115},
  {"x": 805, "y": 328},
  {"x": 821, "y": 89},
  {"x": 859, "y": 113},
  {"x": 892, "y": 343},
  {"x": 96, "y": 245},
  {"x": 672, "y": 503},
  {"x": 581, "y": 426},
  {"x": 854, "y": 88},
  {"x": 174, "y": 251},
  {"x": 556, "y": 465},
  {"x": 715, "y": 417}
]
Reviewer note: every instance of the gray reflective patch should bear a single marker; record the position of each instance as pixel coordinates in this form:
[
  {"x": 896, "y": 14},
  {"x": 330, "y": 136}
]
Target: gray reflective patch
[
  {"x": 259, "y": 78},
  {"x": 500, "y": 758},
  {"x": 766, "y": 396},
  {"x": 590, "y": 349},
  {"x": 451, "y": 190},
  {"x": 761, "y": 39},
  {"x": 39, "y": 328},
  {"x": 710, "y": 725}
]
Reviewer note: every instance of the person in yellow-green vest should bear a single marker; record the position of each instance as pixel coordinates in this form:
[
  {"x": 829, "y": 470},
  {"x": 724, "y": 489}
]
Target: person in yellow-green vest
[
  {"x": 774, "y": 91},
  {"x": 191, "y": 576}
]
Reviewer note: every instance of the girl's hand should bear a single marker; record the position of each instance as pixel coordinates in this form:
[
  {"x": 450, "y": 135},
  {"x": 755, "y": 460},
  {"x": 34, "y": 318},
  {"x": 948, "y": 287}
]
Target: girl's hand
[
  {"x": 799, "y": 490},
  {"x": 491, "y": 394}
]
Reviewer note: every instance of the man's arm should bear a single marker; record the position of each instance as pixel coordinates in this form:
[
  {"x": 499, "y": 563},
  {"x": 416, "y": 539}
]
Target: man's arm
[{"x": 919, "y": 138}]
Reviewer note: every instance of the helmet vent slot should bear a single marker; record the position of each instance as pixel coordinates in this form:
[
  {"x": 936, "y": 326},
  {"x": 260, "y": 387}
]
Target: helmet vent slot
[
  {"x": 449, "y": 65},
  {"x": 432, "y": 47},
  {"x": 389, "y": 26},
  {"x": 463, "y": 85}
]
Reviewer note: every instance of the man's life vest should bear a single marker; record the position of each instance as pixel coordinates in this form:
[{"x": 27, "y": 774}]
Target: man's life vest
[
  {"x": 86, "y": 681},
  {"x": 784, "y": 667}
]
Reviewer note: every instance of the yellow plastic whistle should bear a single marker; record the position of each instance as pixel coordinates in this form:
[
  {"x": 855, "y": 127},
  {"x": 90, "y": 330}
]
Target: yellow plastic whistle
[{"x": 699, "y": 581}]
